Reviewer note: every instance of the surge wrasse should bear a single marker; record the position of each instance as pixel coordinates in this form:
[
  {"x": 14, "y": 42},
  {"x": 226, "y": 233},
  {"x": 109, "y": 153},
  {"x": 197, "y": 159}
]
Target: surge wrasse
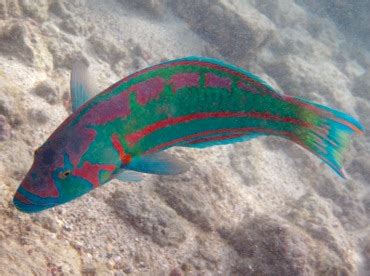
[{"x": 192, "y": 102}]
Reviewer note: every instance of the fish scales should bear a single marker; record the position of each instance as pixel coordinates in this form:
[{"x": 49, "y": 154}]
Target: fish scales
[
  {"x": 196, "y": 97},
  {"x": 191, "y": 102}
]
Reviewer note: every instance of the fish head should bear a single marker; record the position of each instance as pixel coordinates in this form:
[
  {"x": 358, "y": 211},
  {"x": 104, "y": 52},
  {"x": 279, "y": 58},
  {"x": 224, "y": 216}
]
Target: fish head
[{"x": 52, "y": 179}]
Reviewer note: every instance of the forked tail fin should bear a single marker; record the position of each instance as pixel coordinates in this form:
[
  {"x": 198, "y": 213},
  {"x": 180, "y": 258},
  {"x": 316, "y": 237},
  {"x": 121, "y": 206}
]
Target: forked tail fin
[{"x": 327, "y": 133}]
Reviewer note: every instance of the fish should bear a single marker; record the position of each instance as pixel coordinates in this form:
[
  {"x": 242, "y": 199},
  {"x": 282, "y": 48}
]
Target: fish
[{"x": 195, "y": 102}]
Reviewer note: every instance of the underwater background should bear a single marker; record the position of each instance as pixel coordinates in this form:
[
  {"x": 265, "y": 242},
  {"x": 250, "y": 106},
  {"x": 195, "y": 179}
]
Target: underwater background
[{"x": 265, "y": 207}]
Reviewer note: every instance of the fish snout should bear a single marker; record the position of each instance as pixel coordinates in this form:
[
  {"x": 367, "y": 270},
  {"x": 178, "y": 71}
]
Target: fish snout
[{"x": 28, "y": 202}]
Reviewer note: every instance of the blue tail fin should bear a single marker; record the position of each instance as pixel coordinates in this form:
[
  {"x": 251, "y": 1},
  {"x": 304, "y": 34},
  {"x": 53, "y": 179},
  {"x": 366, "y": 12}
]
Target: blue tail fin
[{"x": 329, "y": 132}]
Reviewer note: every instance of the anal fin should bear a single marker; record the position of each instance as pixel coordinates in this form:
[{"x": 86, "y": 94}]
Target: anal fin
[
  {"x": 157, "y": 163},
  {"x": 218, "y": 140},
  {"x": 128, "y": 176}
]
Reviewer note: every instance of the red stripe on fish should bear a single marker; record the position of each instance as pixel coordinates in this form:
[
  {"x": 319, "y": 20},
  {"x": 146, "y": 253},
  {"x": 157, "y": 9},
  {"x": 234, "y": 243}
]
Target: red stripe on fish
[
  {"x": 90, "y": 172},
  {"x": 215, "y": 81},
  {"x": 216, "y": 138},
  {"x": 133, "y": 138},
  {"x": 21, "y": 198},
  {"x": 244, "y": 130},
  {"x": 323, "y": 112},
  {"x": 125, "y": 158}
]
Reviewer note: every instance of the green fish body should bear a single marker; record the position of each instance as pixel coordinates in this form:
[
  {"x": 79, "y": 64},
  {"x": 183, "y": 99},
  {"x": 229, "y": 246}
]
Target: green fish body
[{"x": 191, "y": 102}]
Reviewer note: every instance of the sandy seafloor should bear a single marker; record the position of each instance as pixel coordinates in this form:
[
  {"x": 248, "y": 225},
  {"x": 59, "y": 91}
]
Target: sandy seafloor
[{"x": 266, "y": 207}]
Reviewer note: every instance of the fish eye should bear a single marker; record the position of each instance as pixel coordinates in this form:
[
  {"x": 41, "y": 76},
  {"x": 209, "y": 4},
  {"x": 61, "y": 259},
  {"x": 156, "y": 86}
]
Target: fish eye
[{"x": 65, "y": 174}]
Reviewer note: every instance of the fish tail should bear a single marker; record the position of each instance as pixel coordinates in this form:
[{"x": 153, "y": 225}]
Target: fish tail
[{"x": 326, "y": 132}]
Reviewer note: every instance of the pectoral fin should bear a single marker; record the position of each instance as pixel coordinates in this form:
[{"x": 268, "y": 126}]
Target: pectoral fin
[
  {"x": 82, "y": 87},
  {"x": 157, "y": 163},
  {"x": 129, "y": 176}
]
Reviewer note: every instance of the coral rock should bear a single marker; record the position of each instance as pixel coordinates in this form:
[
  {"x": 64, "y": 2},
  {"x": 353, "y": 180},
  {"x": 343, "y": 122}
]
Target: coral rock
[
  {"x": 151, "y": 7},
  {"x": 234, "y": 34},
  {"x": 159, "y": 222},
  {"x": 48, "y": 91},
  {"x": 23, "y": 41},
  {"x": 5, "y": 129},
  {"x": 36, "y": 9}
]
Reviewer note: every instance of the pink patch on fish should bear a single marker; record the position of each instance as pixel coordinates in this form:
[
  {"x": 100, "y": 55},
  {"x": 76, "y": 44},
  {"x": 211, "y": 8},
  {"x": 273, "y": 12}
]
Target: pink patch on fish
[
  {"x": 215, "y": 81},
  {"x": 248, "y": 88},
  {"x": 106, "y": 111},
  {"x": 184, "y": 80},
  {"x": 81, "y": 145},
  {"x": 148, "y": 90}
]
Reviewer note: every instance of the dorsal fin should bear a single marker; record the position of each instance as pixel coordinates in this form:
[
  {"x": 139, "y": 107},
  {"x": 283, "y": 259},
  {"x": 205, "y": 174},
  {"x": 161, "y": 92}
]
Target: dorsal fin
[{"x": 82, "y": 88}]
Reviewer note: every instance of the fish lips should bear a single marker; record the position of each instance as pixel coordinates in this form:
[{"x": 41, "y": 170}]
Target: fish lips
[{"x": 27, "y": 202}]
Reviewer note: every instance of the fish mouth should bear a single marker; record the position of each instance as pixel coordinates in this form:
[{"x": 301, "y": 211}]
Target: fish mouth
[{"x": 29, "y": 203}]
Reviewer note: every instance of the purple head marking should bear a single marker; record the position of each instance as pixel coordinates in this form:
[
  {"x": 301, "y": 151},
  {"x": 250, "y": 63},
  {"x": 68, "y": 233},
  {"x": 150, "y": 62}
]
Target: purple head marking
[{"x": 106, "y": 111}]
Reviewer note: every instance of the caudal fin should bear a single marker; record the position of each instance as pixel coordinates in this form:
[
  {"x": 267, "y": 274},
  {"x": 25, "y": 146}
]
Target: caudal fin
[{"x": 327, "y": 133}]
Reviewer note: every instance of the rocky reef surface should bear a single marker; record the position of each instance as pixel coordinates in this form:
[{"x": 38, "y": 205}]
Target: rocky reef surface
[{"x": 266, "y": 207}]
